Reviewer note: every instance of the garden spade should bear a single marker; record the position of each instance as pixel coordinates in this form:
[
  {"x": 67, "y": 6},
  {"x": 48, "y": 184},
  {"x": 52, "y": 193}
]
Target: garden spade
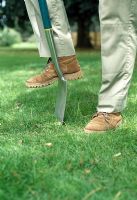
[{"x": 62, "y": 83}]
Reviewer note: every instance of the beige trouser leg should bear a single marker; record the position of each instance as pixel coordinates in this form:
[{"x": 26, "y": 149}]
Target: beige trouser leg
[
  {"x": 61, "y": 29},
  {"x": 119, "y": 44}
]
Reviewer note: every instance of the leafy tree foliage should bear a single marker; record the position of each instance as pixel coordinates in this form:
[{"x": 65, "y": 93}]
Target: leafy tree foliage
[
  {"x": 79, "y": 11},
  {"x": 15, "y": 12},
  {"x": 82, "y": 12}
]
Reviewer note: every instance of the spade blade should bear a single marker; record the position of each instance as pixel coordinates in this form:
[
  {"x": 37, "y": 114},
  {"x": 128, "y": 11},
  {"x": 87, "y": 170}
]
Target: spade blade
[{"x": 61, "y": 100}]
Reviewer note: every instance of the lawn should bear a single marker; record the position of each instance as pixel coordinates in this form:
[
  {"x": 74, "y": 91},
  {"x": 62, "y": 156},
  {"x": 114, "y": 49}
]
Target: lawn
[{"x": 41, "y": 160}]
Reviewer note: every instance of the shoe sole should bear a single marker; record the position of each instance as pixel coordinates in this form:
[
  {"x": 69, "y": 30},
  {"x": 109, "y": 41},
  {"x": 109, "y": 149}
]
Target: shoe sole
[
  {"x": 69, "y": 77},
  {"x": 100, "y": 132}
]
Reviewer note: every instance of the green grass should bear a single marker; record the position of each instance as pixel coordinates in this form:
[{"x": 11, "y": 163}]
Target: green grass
[{"x": 76, "y": 166}]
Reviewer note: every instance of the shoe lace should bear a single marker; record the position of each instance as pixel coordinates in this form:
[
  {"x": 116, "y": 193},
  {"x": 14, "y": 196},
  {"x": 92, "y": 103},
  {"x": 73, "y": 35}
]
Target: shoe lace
[
  {"x": 47, "y": 68},
  {"x": 104, "y": 114},
  {"x": 48, "y": 64}
]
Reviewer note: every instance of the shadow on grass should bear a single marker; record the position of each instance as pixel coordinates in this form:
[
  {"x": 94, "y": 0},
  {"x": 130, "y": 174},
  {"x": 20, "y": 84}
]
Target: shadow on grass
[{"x": 33, "y": 109}]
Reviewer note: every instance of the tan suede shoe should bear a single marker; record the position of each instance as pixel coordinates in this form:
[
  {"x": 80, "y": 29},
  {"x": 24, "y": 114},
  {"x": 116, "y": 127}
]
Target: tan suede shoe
[
  {"x": 102, "y": 122},
  {"x": 69, "y": 66}
]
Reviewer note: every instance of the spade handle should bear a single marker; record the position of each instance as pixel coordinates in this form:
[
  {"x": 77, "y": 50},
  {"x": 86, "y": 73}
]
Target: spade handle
[{"x": 45, "y": 14}]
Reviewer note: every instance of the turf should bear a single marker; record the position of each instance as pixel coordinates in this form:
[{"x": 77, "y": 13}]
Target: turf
[{"x": 41, "y": 160}]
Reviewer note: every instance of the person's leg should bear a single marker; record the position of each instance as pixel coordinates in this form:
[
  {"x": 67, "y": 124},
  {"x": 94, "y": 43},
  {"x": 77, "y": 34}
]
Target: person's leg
[
  {"x": 63, "y": 42},
  {"x": 119, "y": 45},
  {"x": 60, "y": 25}
]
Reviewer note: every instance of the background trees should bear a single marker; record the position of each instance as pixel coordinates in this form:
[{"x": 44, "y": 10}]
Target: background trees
[
  {"x": 13, "y": 14},
  {"x": 82, "y": 12}
]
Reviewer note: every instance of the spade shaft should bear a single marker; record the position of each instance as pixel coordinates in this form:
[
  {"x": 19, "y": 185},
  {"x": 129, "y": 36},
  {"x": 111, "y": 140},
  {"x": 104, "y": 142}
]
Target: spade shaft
[{"x": 62, "y": 83}]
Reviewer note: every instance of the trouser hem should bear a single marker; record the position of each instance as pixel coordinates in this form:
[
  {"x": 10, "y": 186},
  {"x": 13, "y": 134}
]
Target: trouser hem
[{"x": 112, "y": 104}]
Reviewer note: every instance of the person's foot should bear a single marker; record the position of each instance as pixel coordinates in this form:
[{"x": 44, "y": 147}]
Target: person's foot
[
  {"x": 69, "y": 66},
  {"x": 102, "y": 122}
]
